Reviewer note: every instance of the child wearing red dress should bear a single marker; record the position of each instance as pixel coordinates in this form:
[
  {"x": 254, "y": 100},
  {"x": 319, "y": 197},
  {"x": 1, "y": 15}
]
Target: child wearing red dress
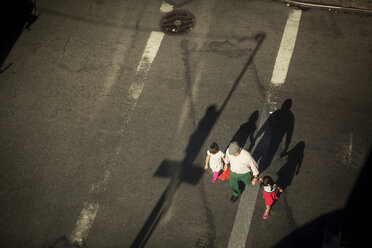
[{"x": 269, "y": 193}]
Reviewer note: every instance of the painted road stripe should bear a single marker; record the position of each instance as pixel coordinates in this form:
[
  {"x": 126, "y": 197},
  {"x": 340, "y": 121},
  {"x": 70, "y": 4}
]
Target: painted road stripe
[
  {"x": 84, "y": 223},
  {"x": 166, "y": 7},
  {"x": 90, "y": 209},
  {"x": 248, "y": 199},
  {"x": 286, "y": 47},
  {"x": 152, "y": 47},
  {"x": 136, "y": 87},
  {"x": 114, "y": 71}
]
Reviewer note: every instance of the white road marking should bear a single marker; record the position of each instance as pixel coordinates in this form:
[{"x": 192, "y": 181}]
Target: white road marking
[
  {"x": 90, "y": 210},
  {"x": 114, "y": 70},
  {"x": 243, "y": 217},
  {"x": 101, "y": 186},
  {"x": 84, "y": 223},
  {"x": 152, "y": 47},
  {"x": 248, "y": 199},
  {"x": 166, "y": 7},
  {"x": 286, "y": 47},
  {"x": 347, "y": 152},
  {"x": 350, "y": 152},
  {"x": 136, "y": 87}
]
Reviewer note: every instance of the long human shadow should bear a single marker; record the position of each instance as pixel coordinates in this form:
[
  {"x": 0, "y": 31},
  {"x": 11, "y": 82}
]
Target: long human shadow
[
  {"x": 278, "y": 124},
  {"x": 345, "y": 227},
  {"x": 292, "y": 166},
  {"x": 16, "y": 16},
  {"x": 185, "y": 171},
  {"x": 245, "y": 131}
]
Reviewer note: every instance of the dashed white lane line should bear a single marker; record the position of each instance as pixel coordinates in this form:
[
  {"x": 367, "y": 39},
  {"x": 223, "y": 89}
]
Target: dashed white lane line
[
  {"x": 117, "y": 62},
  {"x": 90, "y": 209},
  {"x": 350, "y": 150},
  {"x": 286, "y": 47},
  {"x": 248, "y": 199},
  {"x": 149, "y": 54},
  {"x": 84, "y": 223}
]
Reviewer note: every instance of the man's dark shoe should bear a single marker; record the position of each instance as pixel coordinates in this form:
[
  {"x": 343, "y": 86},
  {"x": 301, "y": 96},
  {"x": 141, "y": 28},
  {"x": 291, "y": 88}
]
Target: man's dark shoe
[{"x": 234, "y": 198}]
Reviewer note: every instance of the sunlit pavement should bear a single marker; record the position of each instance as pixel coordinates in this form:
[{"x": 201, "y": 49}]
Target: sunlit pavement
[{"x": 105, "y": 123}]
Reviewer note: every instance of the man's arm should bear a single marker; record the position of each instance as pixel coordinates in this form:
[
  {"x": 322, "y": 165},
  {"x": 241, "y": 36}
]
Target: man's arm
[
  {"x": 226, "y": 161},
  {"x": 254, "y": 169}
]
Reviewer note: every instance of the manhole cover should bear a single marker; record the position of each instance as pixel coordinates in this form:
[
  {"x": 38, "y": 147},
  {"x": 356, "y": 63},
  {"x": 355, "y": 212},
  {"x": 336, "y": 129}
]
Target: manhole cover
[{"x": 177, "y": 22}]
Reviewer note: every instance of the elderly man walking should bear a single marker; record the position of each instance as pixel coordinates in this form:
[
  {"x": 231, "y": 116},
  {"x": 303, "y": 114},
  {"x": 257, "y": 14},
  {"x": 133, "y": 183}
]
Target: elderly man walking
[{"x": 242, "y": 167}]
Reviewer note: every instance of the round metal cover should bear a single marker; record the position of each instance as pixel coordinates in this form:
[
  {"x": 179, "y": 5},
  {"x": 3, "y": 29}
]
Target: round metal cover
[{"x": 177, "y": 22}]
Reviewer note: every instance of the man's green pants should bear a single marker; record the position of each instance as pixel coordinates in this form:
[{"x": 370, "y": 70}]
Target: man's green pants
[{"x": 234, "y": 182}]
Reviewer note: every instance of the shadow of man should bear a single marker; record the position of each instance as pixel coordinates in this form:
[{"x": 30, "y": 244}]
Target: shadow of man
[
  {"x": 246, "y": 130},
  {"x": 292, "y": 166},
  {"x": 279, "y": 123}
]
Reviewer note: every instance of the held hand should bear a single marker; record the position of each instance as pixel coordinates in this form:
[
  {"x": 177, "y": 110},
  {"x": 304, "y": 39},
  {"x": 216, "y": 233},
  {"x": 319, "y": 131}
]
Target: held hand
[
  {"x": 254, "y": 181},
  {"x": 225, "y": 167},
  {"x": 280, "y": 190}
]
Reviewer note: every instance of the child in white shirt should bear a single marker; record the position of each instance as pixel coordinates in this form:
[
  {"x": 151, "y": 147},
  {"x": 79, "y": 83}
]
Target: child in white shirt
[{"x": 215, "y": 157}]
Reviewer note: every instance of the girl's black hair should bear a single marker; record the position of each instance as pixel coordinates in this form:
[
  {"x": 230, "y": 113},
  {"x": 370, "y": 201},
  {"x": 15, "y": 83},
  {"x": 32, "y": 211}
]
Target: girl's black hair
[
  {"x": 213, "y": 148},
  {"x": 268, "y": 181}
]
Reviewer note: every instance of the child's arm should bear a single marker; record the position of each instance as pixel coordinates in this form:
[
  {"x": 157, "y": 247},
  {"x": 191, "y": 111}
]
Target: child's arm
[
  {"x": 206, "y": 162},
  {"x": 280, "y": 189}
]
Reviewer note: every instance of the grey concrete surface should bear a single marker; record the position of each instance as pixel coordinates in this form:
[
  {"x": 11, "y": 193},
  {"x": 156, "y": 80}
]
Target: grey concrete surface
[{"x": 60, "y": 134}]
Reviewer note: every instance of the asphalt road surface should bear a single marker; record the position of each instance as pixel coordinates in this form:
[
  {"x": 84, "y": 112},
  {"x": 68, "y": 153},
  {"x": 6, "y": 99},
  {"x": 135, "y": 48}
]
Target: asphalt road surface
[{"x": 105, "y": 123}]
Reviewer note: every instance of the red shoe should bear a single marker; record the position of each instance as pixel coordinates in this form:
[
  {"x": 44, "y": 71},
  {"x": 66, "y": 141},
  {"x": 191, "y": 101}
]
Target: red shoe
[{"x": 266, "y": 215}]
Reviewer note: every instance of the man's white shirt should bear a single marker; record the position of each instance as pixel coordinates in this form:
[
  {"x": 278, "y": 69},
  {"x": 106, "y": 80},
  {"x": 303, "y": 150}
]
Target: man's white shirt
[{"x": 243, "y": 163}]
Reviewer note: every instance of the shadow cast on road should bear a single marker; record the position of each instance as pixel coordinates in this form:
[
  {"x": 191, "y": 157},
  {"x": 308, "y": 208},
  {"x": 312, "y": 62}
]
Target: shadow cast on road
[
  {"x": 292, "y": 166},
  {"x": 245, "y": 131},
  {"x": 278, "y": 124},
  {"x": 184, "y": 171},
  {"x": 347, "y": 227},
  {"x": 15, "y": 16}
]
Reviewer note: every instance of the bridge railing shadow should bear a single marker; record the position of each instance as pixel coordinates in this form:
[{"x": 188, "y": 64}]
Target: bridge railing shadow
[{"x": 186, "y": 171}]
